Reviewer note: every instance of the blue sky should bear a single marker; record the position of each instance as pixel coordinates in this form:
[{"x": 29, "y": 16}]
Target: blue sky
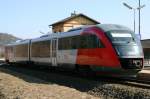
[{"x": 26, "y": 18}]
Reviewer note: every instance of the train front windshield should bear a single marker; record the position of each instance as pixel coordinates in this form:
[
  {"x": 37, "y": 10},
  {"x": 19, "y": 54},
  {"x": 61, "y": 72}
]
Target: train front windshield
[
  {"x": 121, "y": 36},
  {"x": 125, "y": 43}
]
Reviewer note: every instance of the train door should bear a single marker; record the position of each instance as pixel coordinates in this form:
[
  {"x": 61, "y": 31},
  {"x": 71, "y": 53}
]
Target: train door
[{"x": 54, "y": 52}]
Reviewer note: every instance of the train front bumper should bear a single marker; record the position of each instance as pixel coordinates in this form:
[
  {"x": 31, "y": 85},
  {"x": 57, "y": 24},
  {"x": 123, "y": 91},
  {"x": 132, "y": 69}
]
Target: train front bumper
[{"x": 115, "y": 72}]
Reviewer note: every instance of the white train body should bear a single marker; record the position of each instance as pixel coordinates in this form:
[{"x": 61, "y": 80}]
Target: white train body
[
  {"x": 103, "y": 48},
  {"x": 43, "y": 50}
]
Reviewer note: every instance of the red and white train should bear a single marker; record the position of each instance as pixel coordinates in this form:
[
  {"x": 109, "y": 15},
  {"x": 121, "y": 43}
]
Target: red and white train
[{"x": 104, "y": 48}]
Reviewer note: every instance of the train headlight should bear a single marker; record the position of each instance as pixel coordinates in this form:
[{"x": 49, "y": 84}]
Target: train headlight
[{"x": 137, "y": 63}]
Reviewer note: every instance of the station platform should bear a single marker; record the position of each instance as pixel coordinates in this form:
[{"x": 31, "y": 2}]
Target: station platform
[{"x": 144, "y": 74}]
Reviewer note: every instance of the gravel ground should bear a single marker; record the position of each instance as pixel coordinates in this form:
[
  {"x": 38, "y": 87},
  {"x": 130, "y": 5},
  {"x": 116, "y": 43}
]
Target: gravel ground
[
  {"x": 12, "y": 87},
  {"x": 21, "y": 83}
]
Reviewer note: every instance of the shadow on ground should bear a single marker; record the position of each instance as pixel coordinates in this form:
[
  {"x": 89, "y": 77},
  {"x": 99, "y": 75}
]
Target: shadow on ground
[{"x": 42, "y": 76}]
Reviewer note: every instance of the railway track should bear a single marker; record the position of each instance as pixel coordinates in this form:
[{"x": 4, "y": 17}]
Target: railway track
[
  {"x": 43, "y": 72},
  {"x": 134, "y": 82},
  {"x": 138, "y": 83}
]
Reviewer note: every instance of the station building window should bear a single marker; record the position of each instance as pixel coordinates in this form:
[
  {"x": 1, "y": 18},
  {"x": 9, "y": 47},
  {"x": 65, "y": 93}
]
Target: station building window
[{"x": 146, "y": 53}]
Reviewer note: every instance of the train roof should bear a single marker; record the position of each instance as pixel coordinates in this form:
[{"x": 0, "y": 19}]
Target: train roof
[
  {"x": 26, "y": 41},
  {"x": 59, "y": 35},
  {"x": 73, "y": 32},
  {"x": 109, "y": 27}
]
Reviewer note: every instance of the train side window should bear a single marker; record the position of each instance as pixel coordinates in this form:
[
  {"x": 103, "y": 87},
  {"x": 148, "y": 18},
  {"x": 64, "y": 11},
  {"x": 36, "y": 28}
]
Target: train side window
[
  {"x": 91, "y": 41},
  {"x": 21, "y": 50},
  {"x": 59, "y": 43},
  {"x": 64, "y": 43},
  {"x": 41, "y": 49},
  {"x": 82, "y": 41},
  {"x": 94, "y": 42}
]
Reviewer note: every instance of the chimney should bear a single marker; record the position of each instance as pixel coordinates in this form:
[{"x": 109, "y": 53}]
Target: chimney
[{"x": 73, "y": 14}]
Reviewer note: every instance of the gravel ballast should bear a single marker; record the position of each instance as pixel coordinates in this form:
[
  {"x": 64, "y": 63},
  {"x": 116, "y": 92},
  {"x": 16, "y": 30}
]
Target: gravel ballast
[
  {"x": 118, "y": 91},
  {"x": 23, "y": 83}
]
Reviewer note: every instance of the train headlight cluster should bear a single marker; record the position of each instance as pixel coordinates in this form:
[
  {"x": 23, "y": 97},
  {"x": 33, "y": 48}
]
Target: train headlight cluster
[{"x": 137, "y": 63}]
